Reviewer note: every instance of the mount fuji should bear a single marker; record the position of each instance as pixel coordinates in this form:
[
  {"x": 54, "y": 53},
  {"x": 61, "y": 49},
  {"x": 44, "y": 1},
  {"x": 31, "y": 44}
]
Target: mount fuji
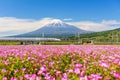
[{"x": 55, "y": 27}]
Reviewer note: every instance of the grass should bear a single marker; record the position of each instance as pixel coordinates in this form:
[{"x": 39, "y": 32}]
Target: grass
[
  {"x": 9, "y": 43},
  {"x": 60, "y": 43}
]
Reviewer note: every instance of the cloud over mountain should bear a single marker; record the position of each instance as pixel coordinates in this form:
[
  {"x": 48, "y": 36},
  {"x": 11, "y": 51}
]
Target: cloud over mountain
[
  {"x": 13, "y": 26},
  {"x": 54, "y": 28},
  {"x": 97, "y": 26},
  {"x": 67, "y": 19}
]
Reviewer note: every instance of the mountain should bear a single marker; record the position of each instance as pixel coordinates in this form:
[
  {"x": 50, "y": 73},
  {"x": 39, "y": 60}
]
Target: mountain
[
  {"x": 55, "y": 28},
  {"x": 104, "y": 36}
]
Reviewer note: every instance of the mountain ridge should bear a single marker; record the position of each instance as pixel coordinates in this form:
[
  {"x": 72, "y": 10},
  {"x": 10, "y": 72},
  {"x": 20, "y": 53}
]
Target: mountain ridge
[{"x": 56, "y": 28}]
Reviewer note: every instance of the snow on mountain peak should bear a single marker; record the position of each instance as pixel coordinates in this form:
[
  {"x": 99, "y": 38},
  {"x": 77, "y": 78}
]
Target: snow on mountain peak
[{"x": 56, "y": 21}]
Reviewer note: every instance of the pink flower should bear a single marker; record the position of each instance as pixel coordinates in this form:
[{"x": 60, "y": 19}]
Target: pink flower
[
  {"x": 4, "y": 78},
  {"x": 104, "y": 65},
  {"x": 27, "y": 76},
  {"x": 95, "y": 76},
  {"x": 77, "y": 71},
  {"x": 13, "y": 78},
  {"x": 38, "y": 78},
  {"x": 117, "y": 75},
  {"x": 70, "y": 71},
  {"x": 43, "y": 69},
  {"x": 47, "y": 76},
  {"x": 33, "y": 77},
  {"x": 21, "y": 77},
  {"x": 58, "y": 72},
  {"x": 65, "y": 75},
  {"x": 82, "y": 73},
  {"x": 116, "y": 61},
  {"x": 51, "y": 64},
  {"x": 16, "y": 71},
  {"x": 6, "y": 62},
  {"x": 78, "y": 65},
  {"x": 63, "y": 78},
  {"x": 23, "y": 69},
  {"x": 84, "y": 78},
  {"x": 39, "y": 72},
  {"x": 4, "y": 70}
]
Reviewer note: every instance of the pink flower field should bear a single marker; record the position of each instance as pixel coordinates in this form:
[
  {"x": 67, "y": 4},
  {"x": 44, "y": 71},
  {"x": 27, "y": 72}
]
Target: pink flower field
[{"x": 65, "y": 62}]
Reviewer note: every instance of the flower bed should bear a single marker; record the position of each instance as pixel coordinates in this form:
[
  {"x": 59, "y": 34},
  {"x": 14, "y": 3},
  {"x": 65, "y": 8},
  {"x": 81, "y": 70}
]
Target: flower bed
[{"x": 68, "y": 62}]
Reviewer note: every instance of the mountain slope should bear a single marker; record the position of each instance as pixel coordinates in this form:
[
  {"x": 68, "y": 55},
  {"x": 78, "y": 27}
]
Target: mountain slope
[
  {"x": 56, "y": 28},
  {"x": 110, "y": 35}
]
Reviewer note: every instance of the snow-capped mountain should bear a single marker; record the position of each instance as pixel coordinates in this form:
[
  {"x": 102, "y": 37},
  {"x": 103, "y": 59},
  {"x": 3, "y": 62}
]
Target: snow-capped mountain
[
  {"x": 56, "y": 23},
  {"x": 56, "y": 27}
]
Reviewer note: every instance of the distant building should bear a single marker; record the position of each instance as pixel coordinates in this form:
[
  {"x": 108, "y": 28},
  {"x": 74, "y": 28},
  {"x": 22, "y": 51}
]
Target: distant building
[{"x": 84, "y": 41}]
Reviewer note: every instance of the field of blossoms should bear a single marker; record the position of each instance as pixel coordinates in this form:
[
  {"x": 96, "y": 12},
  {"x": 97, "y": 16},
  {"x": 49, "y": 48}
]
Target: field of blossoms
[{"x": 55, "y": 62}]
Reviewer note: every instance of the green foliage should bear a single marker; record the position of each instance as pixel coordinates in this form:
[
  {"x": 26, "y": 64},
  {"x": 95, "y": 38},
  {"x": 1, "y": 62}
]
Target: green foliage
[
  {"x": 105, "y": 36},
  {"x": 9, "y": 43}
]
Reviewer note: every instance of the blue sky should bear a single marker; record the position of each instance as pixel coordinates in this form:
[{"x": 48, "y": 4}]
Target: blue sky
[
  {"x": 21, "y": 16},
  {"x": 95, "y": 10}
]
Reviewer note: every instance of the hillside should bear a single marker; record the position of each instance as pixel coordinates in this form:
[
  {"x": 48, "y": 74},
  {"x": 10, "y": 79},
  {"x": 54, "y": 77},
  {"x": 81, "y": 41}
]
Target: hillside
[{"x": 110, "y": 35}]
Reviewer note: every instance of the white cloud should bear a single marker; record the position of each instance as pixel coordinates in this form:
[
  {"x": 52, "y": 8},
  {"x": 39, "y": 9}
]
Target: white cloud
[
  {"x": 13, "y": 26},
  {"x": 95, "y": 26},
  {"x": 109, "y": 22},
  {"x": 67, "y": 19}
]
